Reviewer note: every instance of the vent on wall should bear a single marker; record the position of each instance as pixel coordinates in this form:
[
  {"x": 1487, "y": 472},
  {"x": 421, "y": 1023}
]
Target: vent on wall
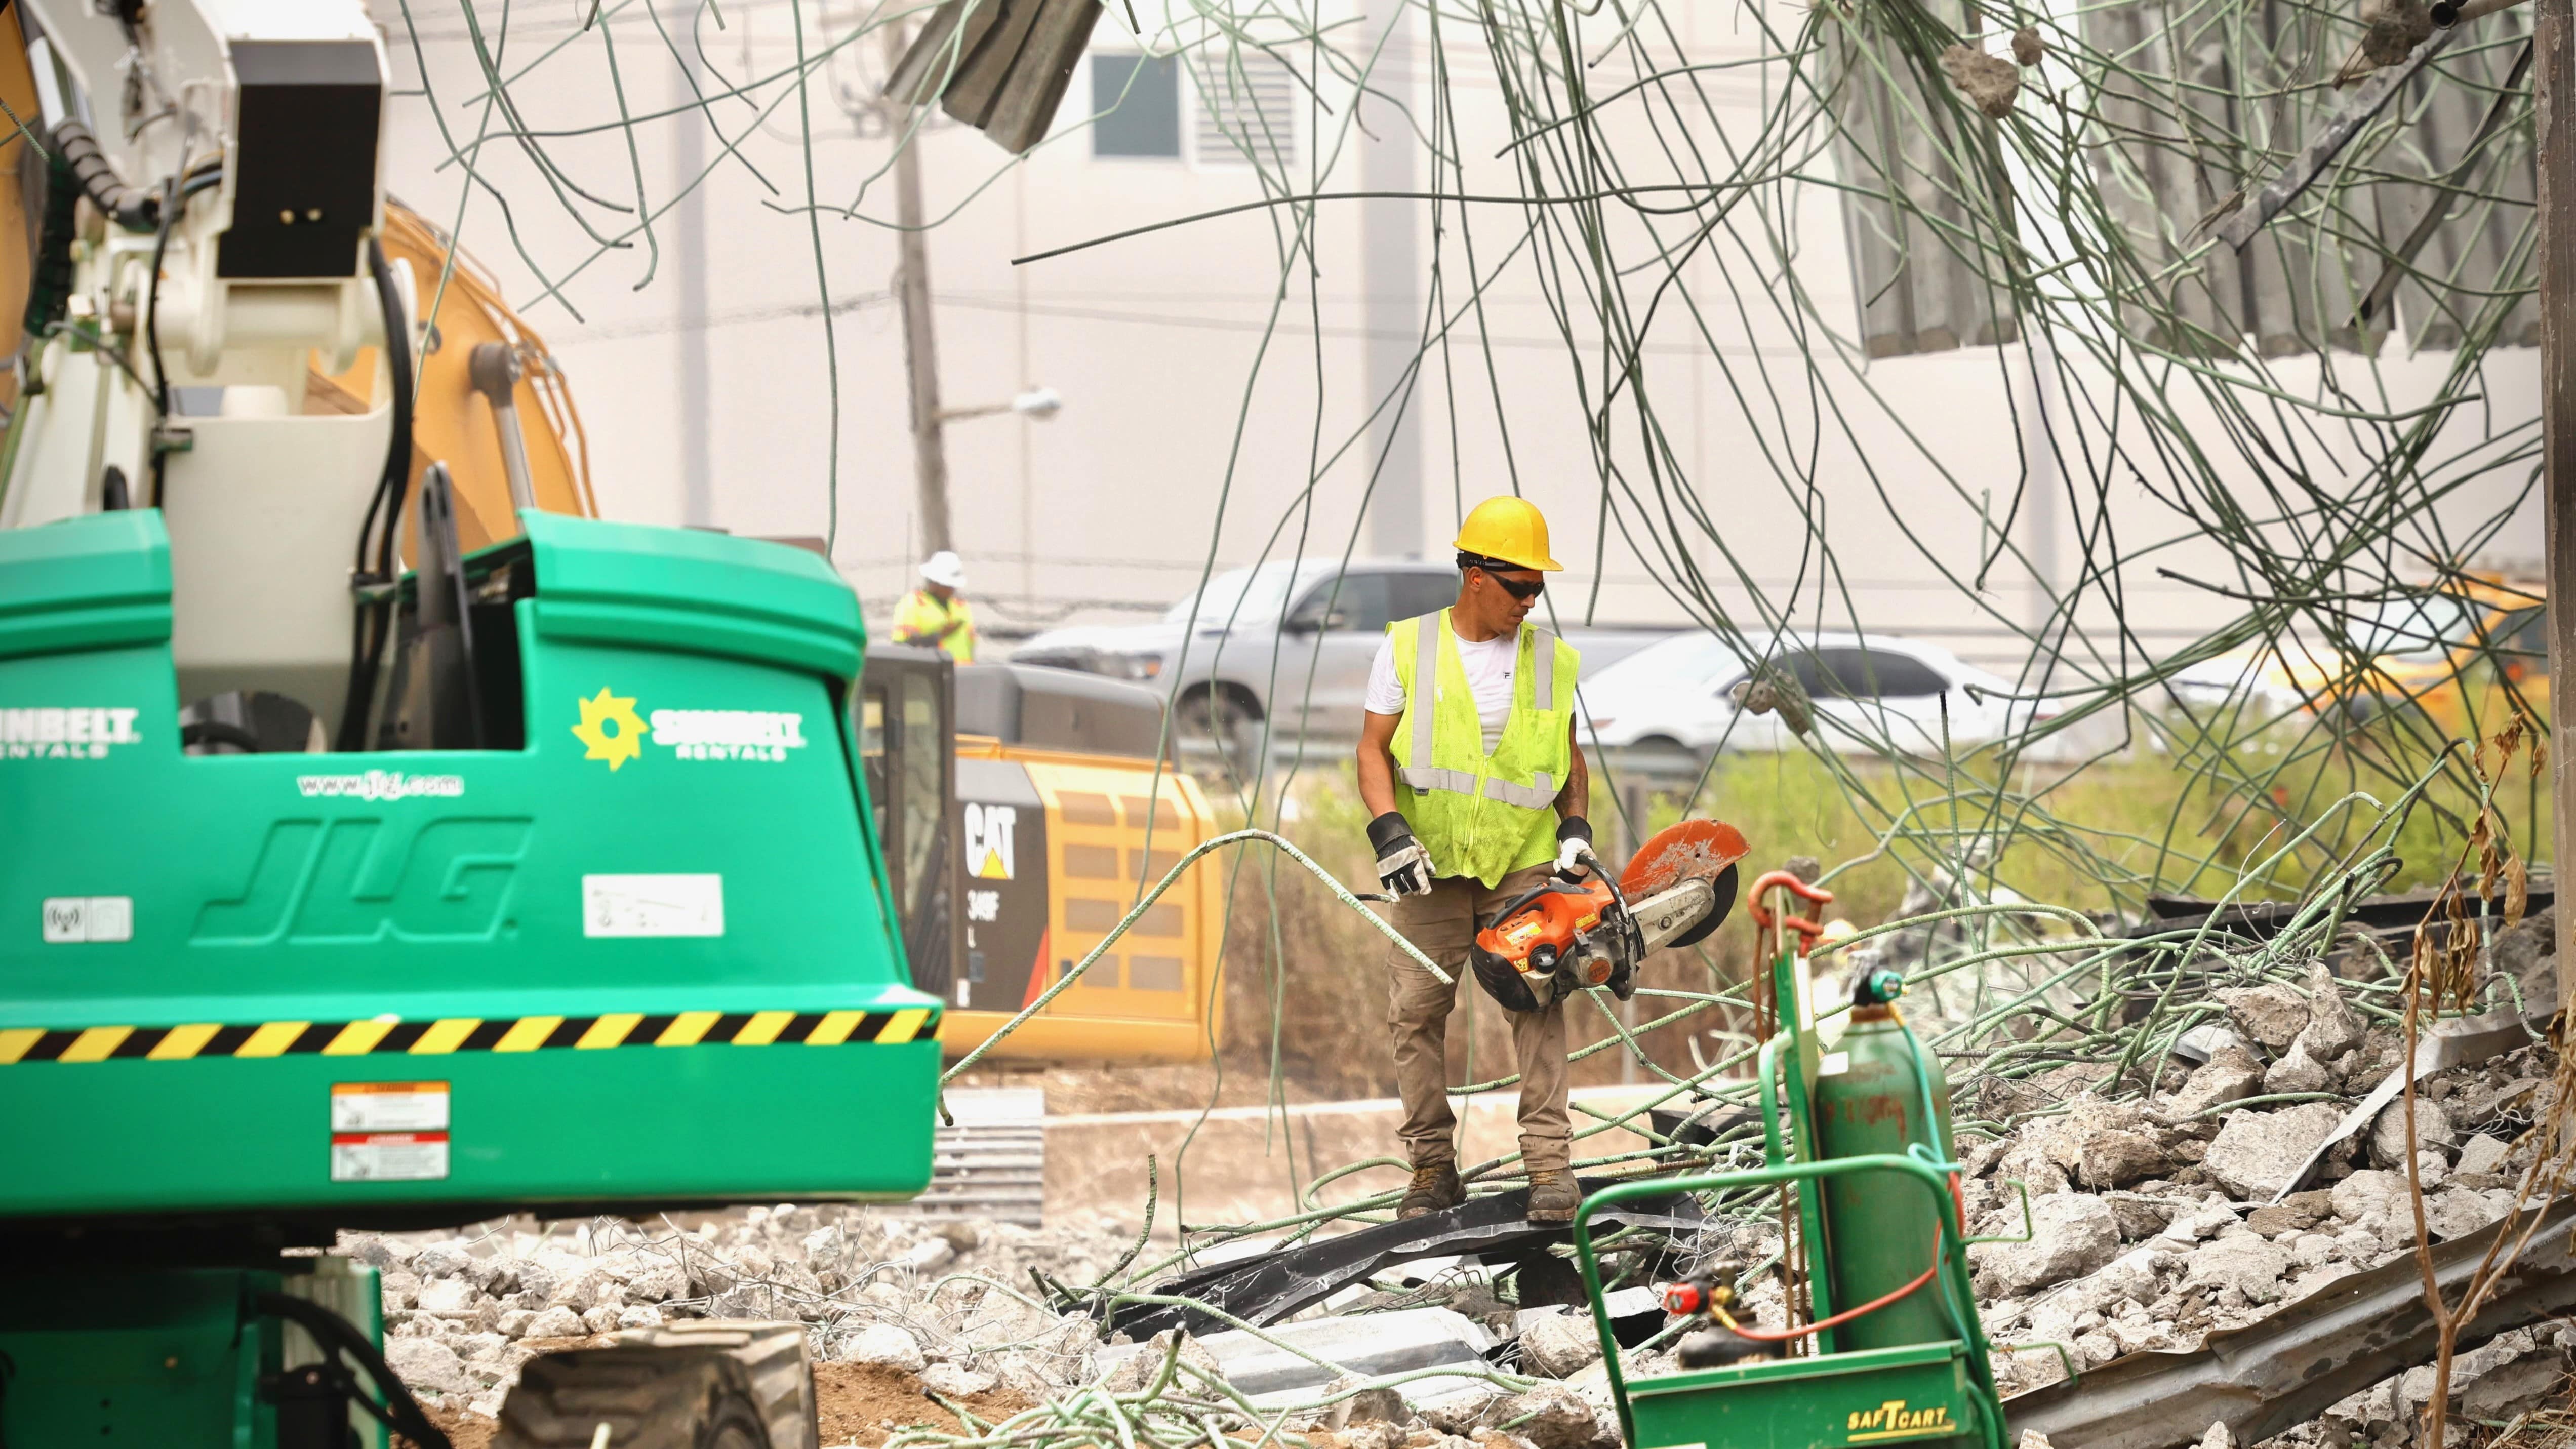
[{"x": 1247, "y": 112}]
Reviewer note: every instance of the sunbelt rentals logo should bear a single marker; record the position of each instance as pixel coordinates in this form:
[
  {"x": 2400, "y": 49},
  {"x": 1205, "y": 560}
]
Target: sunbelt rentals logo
[
  {"x": 611, "y": 730},
  {"x": 74, "y": 733}
]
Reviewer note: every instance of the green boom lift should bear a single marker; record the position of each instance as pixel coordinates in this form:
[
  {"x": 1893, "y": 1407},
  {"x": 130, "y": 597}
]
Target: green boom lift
[
  {"x": 1889, "y": 1348},
  {"x": 535, "y": 878}
]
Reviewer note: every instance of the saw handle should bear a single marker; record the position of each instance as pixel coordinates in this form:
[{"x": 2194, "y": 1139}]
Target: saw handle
[{"x": 1807, "y": 930}]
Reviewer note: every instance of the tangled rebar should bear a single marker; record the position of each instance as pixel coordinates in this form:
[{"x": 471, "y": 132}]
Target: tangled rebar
[{"x": 2327, "y": 437}]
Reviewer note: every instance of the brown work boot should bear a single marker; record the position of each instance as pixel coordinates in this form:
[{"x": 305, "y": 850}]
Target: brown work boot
[
  {"x": 1552, "y": 1196},
  {"x": 1433, "y": 1188}
]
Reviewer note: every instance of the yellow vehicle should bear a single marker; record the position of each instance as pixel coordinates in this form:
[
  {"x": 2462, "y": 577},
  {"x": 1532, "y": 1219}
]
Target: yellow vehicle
[
  {"x": 2458, "y": 652},
  {"x": 1022, "y": 816},
  {"x": 2454, "y": 653}
]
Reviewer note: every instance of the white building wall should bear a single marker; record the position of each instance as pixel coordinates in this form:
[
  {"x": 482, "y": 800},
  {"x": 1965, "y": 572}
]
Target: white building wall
[{"x": 1190, "y": 424}]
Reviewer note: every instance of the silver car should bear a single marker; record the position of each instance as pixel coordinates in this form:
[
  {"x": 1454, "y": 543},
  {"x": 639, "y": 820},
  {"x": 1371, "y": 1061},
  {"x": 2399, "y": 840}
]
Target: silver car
[{"x": 1287, "y": 643}]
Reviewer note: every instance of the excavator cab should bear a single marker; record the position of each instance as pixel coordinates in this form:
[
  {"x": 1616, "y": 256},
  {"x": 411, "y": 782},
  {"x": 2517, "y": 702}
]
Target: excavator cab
[{"x": 1022, "y": 813}]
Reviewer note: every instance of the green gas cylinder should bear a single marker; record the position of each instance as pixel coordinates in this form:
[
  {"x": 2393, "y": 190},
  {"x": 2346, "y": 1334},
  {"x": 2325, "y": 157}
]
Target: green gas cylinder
[{"x": 1881, "y": 1228}]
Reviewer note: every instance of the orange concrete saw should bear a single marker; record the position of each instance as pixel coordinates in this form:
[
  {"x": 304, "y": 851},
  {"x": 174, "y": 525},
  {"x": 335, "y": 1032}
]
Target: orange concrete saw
[{"x": 1566, "y": 935}]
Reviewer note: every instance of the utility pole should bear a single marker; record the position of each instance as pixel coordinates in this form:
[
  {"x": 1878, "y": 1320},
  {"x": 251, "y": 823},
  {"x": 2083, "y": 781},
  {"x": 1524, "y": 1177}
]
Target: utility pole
[
  {"x": 920, "y": 341},
  {"x": 688, "y": 158},
  {"x": 1391, "y": 281},
  {"x": 2553, "y": 84}
]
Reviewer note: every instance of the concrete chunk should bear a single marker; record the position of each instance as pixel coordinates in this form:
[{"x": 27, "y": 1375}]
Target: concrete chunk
[
  {"x": 427, "y": 1363},
  {"x": 1557, "y": 1418},
  {"x": 885, "y": 1345},
  {"x": 2072, "y": 1234},
  {"x": 2333, "y": 1026},
  {"x": 2481, "y": 1154},
  {"x": 2388, "y": 1132},
  {"x": 556, "y": 1322},
  {"x": 957, "y": 1381},
  {"x": 2230, "y": 1075},
  {"x": 1378, "y": 1405},
  {"x": 447, "y": 1298},
  {"x": 2298, "y": 1071},
  {"x": 1559, "y": 1345},
  {"x": 2257, "y": 1153},
  {"x": 2246, "y": 1263},
  {"x": 2273, "y": 1014},
  {"x": 2456, "y": 1212}
]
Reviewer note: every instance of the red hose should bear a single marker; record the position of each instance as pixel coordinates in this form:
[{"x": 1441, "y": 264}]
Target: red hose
[{"x": 1784, "y": 1335}]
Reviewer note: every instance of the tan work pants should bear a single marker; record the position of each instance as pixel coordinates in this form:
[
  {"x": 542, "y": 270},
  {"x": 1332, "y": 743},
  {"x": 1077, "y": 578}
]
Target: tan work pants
[{"x": 1441, "y": 926}]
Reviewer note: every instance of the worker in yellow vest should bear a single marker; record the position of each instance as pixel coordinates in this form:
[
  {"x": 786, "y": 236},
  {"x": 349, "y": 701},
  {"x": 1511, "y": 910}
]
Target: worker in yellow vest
[
  {"x": 932, "y": 616},
  {"x": 1477, "y": 790}
]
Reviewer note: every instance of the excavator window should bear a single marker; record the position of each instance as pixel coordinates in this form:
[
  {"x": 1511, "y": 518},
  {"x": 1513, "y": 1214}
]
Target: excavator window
[
  {"x": 872, "y": 759},
  {"x": 919, "y": 791},
  {"x": 906, "y": 743}
]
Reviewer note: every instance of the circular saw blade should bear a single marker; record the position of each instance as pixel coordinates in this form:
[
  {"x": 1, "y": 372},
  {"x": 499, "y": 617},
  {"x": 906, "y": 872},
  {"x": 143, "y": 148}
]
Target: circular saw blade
[
  {"x": 1678, "y": 852},
  {"x": 1692, "y": 849}
]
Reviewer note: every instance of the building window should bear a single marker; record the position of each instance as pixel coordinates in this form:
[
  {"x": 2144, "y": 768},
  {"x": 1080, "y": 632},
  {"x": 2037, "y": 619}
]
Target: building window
[
  {"x": 1247, "y": 113},
  {"x": 1137, "y": 100}
]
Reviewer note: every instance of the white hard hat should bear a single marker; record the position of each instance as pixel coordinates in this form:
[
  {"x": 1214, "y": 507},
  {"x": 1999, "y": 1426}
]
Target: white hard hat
[{"x": 943, "y": 569}]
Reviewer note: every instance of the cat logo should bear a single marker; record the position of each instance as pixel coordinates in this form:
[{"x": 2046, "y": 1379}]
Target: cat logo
[
  {"x": 1893, "y": 1420},
  {"x": 988, "y": 840}
]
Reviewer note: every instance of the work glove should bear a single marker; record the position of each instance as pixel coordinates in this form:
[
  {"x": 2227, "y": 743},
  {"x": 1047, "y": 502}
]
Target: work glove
[
  {"x": 1573, "y": 843},
  {"x": 1403, "y": 866}
]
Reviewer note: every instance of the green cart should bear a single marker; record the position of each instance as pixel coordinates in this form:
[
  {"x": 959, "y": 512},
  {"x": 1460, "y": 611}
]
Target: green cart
[{"x": 1859, "y": 1138}]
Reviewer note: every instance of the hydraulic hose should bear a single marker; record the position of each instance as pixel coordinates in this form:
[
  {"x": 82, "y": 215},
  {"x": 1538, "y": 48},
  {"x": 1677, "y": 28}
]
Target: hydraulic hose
[
  {"x": 337, "y": 1335},
  {"x": 130, "y": 207},
  {"x": 49, "y": 290},
  {"x": 366, "y": 650}
]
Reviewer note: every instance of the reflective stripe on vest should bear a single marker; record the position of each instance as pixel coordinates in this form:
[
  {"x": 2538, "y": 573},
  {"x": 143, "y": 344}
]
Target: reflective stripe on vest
[{"x": 1420, "y": 773}]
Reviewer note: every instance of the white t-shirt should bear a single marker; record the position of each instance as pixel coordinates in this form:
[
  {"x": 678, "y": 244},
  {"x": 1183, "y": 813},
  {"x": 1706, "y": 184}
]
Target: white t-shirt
[{"x": 1489, "y": 668}]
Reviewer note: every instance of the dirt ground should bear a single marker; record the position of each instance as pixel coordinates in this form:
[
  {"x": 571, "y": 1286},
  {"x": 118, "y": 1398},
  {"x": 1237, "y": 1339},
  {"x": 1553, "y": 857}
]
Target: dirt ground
[
  {"x": 464, "y": 1430},
  {"x": 864, "y": 1404}
]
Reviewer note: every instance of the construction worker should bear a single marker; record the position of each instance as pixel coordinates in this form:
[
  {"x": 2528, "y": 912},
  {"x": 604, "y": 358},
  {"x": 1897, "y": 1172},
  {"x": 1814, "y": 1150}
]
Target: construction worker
[
  {"x": 933, "y": 616},
  {"x": 1477, "y": 790}
]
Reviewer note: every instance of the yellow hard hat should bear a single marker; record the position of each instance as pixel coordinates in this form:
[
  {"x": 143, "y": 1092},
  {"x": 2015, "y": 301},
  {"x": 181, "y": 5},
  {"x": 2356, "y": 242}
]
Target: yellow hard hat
[{"x": 1510, "y": 529}]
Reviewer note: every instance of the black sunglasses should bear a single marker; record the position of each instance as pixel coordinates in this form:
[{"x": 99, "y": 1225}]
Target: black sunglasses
[{"x": 1517, "y": 588}]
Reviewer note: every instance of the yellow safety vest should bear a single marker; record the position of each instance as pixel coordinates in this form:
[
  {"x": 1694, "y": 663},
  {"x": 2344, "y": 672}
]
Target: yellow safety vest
[
  {"x": 921, "y": 619},
  {"x": 1476, "y": 814}
]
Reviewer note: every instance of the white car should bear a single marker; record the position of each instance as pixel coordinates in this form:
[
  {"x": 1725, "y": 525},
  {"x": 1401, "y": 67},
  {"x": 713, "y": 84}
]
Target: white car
[{"x": 1870, "y": 692}]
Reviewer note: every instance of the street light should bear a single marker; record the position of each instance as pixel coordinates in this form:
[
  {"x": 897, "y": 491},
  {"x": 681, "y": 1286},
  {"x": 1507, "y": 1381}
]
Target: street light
[{"x": 1040, "y": 403}]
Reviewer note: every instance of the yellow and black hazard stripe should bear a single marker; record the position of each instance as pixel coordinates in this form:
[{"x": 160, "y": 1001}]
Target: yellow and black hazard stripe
[{"x": 450, "y": 1035}]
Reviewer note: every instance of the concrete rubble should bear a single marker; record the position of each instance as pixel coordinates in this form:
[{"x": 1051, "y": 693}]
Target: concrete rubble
[
  {"x": 2214, "y": 1239},
  {"x": 463, "y": 1313},
  {"x": 2152, "y": 1222}
]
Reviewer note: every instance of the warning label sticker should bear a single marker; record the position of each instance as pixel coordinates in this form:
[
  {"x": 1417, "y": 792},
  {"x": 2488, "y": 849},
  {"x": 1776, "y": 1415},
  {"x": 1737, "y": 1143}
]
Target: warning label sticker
[
  {"x": 389, "y": 1107},
  {"x": 388, "y": 1156}
]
